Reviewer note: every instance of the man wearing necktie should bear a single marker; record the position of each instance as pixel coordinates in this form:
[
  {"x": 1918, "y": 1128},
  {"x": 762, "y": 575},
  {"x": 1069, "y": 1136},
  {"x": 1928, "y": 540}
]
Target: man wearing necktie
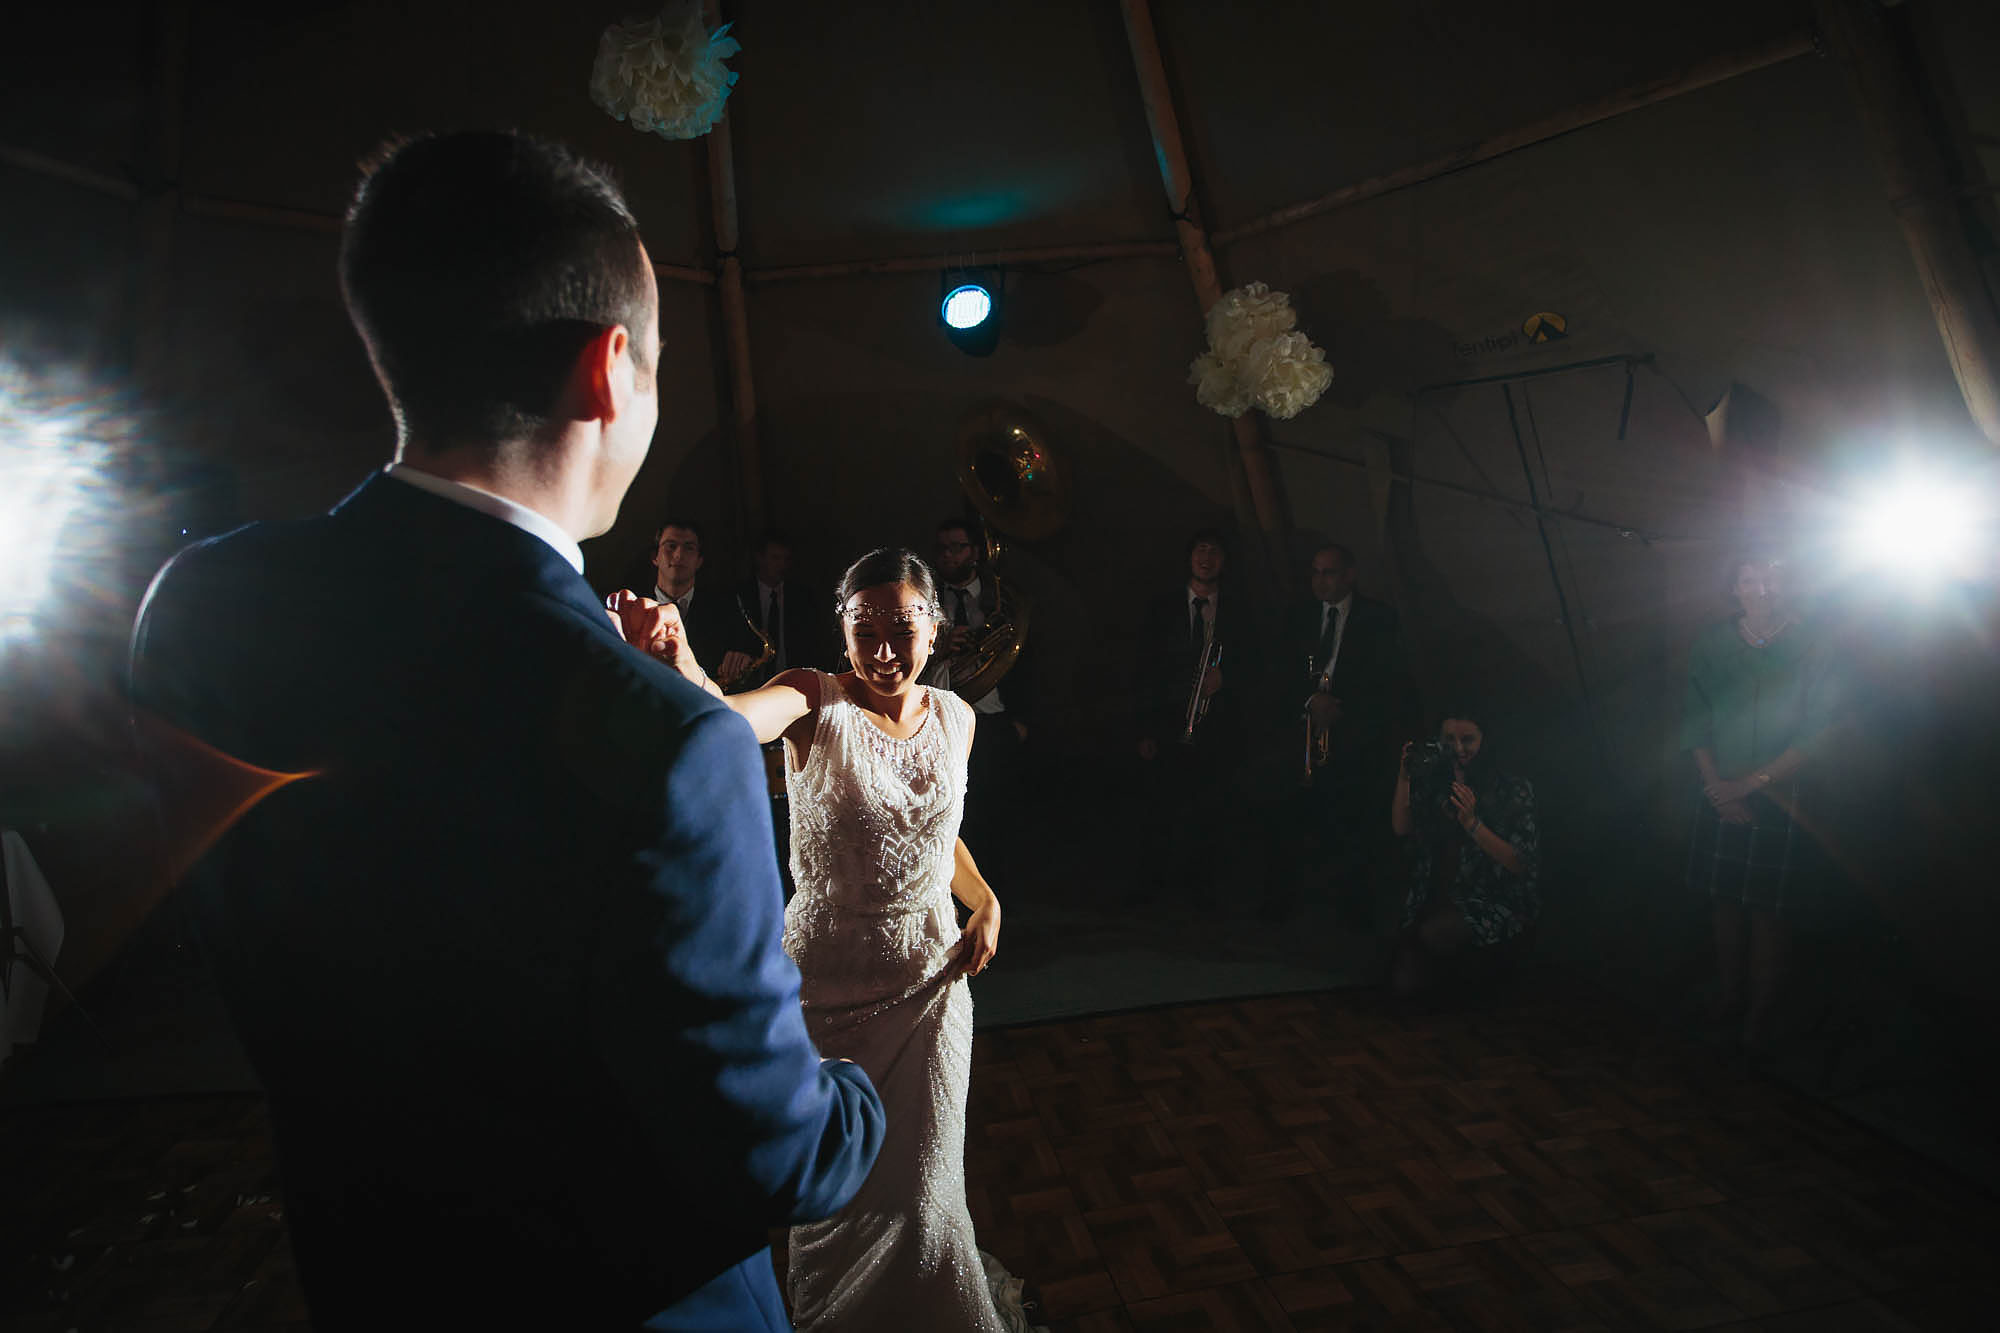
[
  {"x": 723, "y": 643},
  {"x": 1188, "y": 784},
  {"x": 996, "y": 785},
  {"x": 1353, "y": 684},
  {"x": 799, "y": 637},
  {"x": 800, "y": 631}
]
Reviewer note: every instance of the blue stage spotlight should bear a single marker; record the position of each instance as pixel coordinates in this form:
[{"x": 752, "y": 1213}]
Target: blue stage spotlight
[
  {"x": 967, "y": 306},
  {"x": 969, "y": 310}
]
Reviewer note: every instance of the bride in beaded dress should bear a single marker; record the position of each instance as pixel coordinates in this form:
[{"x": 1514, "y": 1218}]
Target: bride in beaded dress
[{"x": 875, "y": 771}]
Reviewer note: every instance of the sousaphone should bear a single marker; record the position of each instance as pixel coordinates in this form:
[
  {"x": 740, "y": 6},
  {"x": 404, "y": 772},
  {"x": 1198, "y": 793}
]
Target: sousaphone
[{"x": 1011, "y": 475}]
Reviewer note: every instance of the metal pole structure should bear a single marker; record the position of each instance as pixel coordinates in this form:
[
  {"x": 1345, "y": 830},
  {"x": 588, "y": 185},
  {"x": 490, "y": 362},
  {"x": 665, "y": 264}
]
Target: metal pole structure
[
  {"x": 1924, "y": 200},
  {"x": 735, "y": 316},
  {"x": 1258, "y": 472}
]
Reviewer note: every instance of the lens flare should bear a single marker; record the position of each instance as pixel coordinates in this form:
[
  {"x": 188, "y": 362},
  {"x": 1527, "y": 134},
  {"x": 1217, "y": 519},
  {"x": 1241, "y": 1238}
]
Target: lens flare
[
  {"x": 1924, "y": 527},
  {"x": 202, "y": 791},
  {"x": 61, "y": 444}
]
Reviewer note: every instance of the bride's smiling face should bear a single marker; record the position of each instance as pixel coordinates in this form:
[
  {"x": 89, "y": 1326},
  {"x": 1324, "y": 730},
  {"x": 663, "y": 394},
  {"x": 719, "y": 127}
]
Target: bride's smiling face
[{"x": 890, "y": 631}]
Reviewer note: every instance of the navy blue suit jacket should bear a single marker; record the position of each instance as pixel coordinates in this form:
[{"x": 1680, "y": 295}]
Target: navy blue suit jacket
[{"x": 507, "y": 963}]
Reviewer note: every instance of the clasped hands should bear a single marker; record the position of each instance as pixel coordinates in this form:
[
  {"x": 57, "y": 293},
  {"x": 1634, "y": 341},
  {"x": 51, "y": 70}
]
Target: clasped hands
[
  {"x": 656, "y": 629},
  {"x": 1728, "y": 795}
]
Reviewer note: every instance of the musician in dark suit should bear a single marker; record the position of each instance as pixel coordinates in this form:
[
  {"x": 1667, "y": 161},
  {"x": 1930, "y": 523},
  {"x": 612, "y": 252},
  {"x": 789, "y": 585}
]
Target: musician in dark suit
[
  {"x": 800, "y": 630},
  {"x": 728, "y": 645},
  {"x": 997, "y": 788},
  {"x": 504, "y": 950},
  {"x": 798, "y": 623},
  {"x": 1350, "y": 681},
  {"x": 1188, "y": 775}
]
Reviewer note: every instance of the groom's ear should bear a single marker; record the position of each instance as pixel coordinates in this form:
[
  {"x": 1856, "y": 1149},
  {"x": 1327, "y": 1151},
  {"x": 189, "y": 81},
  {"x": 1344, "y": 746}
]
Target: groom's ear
[{"x": 603, "y": 379}]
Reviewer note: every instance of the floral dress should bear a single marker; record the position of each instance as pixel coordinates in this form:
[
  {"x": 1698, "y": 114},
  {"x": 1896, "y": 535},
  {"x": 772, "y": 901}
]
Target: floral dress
[{"x": 1445, "y": 864}]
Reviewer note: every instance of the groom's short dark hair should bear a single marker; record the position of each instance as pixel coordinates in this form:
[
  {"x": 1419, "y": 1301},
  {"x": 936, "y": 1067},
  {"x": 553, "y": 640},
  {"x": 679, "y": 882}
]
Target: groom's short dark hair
[{"x": 476, "y": 266}]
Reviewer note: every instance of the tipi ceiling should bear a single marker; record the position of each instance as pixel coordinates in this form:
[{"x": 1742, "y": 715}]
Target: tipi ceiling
[{"x": 877, "y": 129}]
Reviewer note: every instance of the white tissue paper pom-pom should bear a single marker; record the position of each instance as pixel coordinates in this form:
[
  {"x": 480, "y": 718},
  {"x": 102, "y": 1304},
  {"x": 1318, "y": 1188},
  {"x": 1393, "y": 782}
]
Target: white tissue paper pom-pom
[
  {"x": 1215, "y": 386},
  {"x": 1295, "y": 377},
  {"x": 1254, "y": 358},
  {"x": 665, "y": 74}
]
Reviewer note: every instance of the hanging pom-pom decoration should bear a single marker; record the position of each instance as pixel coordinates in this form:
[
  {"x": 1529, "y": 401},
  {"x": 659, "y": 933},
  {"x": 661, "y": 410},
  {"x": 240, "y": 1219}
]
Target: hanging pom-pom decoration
[
  {"x": 665, "y": 74},
  {"x": 1255, "y": 359}
]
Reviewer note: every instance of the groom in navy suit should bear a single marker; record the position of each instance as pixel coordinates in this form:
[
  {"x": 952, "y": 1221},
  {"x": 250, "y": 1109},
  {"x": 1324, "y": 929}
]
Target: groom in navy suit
[{"x": 506, "y": 958}]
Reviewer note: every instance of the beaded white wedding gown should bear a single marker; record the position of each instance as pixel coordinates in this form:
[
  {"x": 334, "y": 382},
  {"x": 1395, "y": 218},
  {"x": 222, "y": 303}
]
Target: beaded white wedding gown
[{"x": 873, "y": 931}]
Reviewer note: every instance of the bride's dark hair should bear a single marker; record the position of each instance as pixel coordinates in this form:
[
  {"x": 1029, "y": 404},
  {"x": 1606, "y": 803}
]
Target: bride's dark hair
[{"x": 889, "y": 564}]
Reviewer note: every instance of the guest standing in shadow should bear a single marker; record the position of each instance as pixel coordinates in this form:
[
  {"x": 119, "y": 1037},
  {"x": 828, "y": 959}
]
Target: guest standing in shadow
[
  {"x": 1760, "y": 707},
  {"x": 997, "y": 791},
  {"x": 1350, "y": 673},
  {"x": 1197, "y": 652},
  {"x": 709, "y": 609}
]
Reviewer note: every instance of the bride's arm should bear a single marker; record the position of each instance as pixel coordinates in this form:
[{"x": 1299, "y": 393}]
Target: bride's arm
[
  {"x": 980, "y": 940},
  {"x": 772, "y": 709}
]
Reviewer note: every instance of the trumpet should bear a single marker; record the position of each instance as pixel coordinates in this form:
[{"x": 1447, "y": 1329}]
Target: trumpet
[
  {"x": 1197, "y": 705},
  {"x": 1316, "y": 739}
]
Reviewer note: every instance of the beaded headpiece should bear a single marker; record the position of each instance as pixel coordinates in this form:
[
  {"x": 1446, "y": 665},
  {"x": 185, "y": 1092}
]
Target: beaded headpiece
[{"x": 901, "y": 613}]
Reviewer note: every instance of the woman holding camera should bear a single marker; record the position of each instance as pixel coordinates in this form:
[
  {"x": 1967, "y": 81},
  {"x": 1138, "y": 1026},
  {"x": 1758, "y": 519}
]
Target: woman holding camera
[{"x": 1475, "y": 851}]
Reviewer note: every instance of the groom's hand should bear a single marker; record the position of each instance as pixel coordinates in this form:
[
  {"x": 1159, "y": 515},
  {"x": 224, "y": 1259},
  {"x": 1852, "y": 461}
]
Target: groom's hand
[{"x": 654, "y": 628}]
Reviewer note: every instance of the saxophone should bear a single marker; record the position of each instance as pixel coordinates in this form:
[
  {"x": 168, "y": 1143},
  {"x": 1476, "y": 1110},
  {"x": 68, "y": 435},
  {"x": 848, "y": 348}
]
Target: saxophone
[{"x": 770, "y": 651}]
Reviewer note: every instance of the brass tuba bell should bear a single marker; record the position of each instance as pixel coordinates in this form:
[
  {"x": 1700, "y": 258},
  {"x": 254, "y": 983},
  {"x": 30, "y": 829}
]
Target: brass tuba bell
[{"x": 1007, "y": 470}]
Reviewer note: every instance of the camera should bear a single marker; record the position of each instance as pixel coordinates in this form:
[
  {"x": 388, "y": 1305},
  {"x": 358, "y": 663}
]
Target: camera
[{"x": 1433, "y": 768}]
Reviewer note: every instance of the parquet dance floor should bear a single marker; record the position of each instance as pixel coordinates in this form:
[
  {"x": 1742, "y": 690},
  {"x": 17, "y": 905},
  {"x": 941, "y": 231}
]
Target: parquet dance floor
[{"x": 1303, "y": 1162}]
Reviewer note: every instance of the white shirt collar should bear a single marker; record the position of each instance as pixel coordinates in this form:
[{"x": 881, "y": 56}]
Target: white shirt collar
[
  {"x": 685, "y": 601},
  {"x": 971, "y": 588},
  {"x": 494, "y": 506},
  {"x": 1213, "y": 597},
  {"x": 1344, "y": 605}
]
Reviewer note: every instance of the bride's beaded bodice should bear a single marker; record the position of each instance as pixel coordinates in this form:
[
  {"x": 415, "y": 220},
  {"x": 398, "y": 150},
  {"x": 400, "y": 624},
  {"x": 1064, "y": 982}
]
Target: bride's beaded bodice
[{"x": 875, "y": 818}]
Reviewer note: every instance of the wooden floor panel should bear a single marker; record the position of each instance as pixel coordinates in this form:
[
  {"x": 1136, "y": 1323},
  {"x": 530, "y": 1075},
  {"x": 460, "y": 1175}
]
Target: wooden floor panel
[{"x": 1294, "y": 1163}]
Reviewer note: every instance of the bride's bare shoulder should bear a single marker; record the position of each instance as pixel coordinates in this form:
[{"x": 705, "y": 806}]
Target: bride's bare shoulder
[
  {"x": 806, "y": 681},
  {"x": 949, "y": 703}
]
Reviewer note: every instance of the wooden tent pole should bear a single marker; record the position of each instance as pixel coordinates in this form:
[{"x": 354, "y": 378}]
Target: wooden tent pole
[
  {"x": 1168, "y": 148},
  {"x": 1925, "y": 203},
  {"x": 735, "y": 314},
  {"x": 1715, "y": 70}
]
